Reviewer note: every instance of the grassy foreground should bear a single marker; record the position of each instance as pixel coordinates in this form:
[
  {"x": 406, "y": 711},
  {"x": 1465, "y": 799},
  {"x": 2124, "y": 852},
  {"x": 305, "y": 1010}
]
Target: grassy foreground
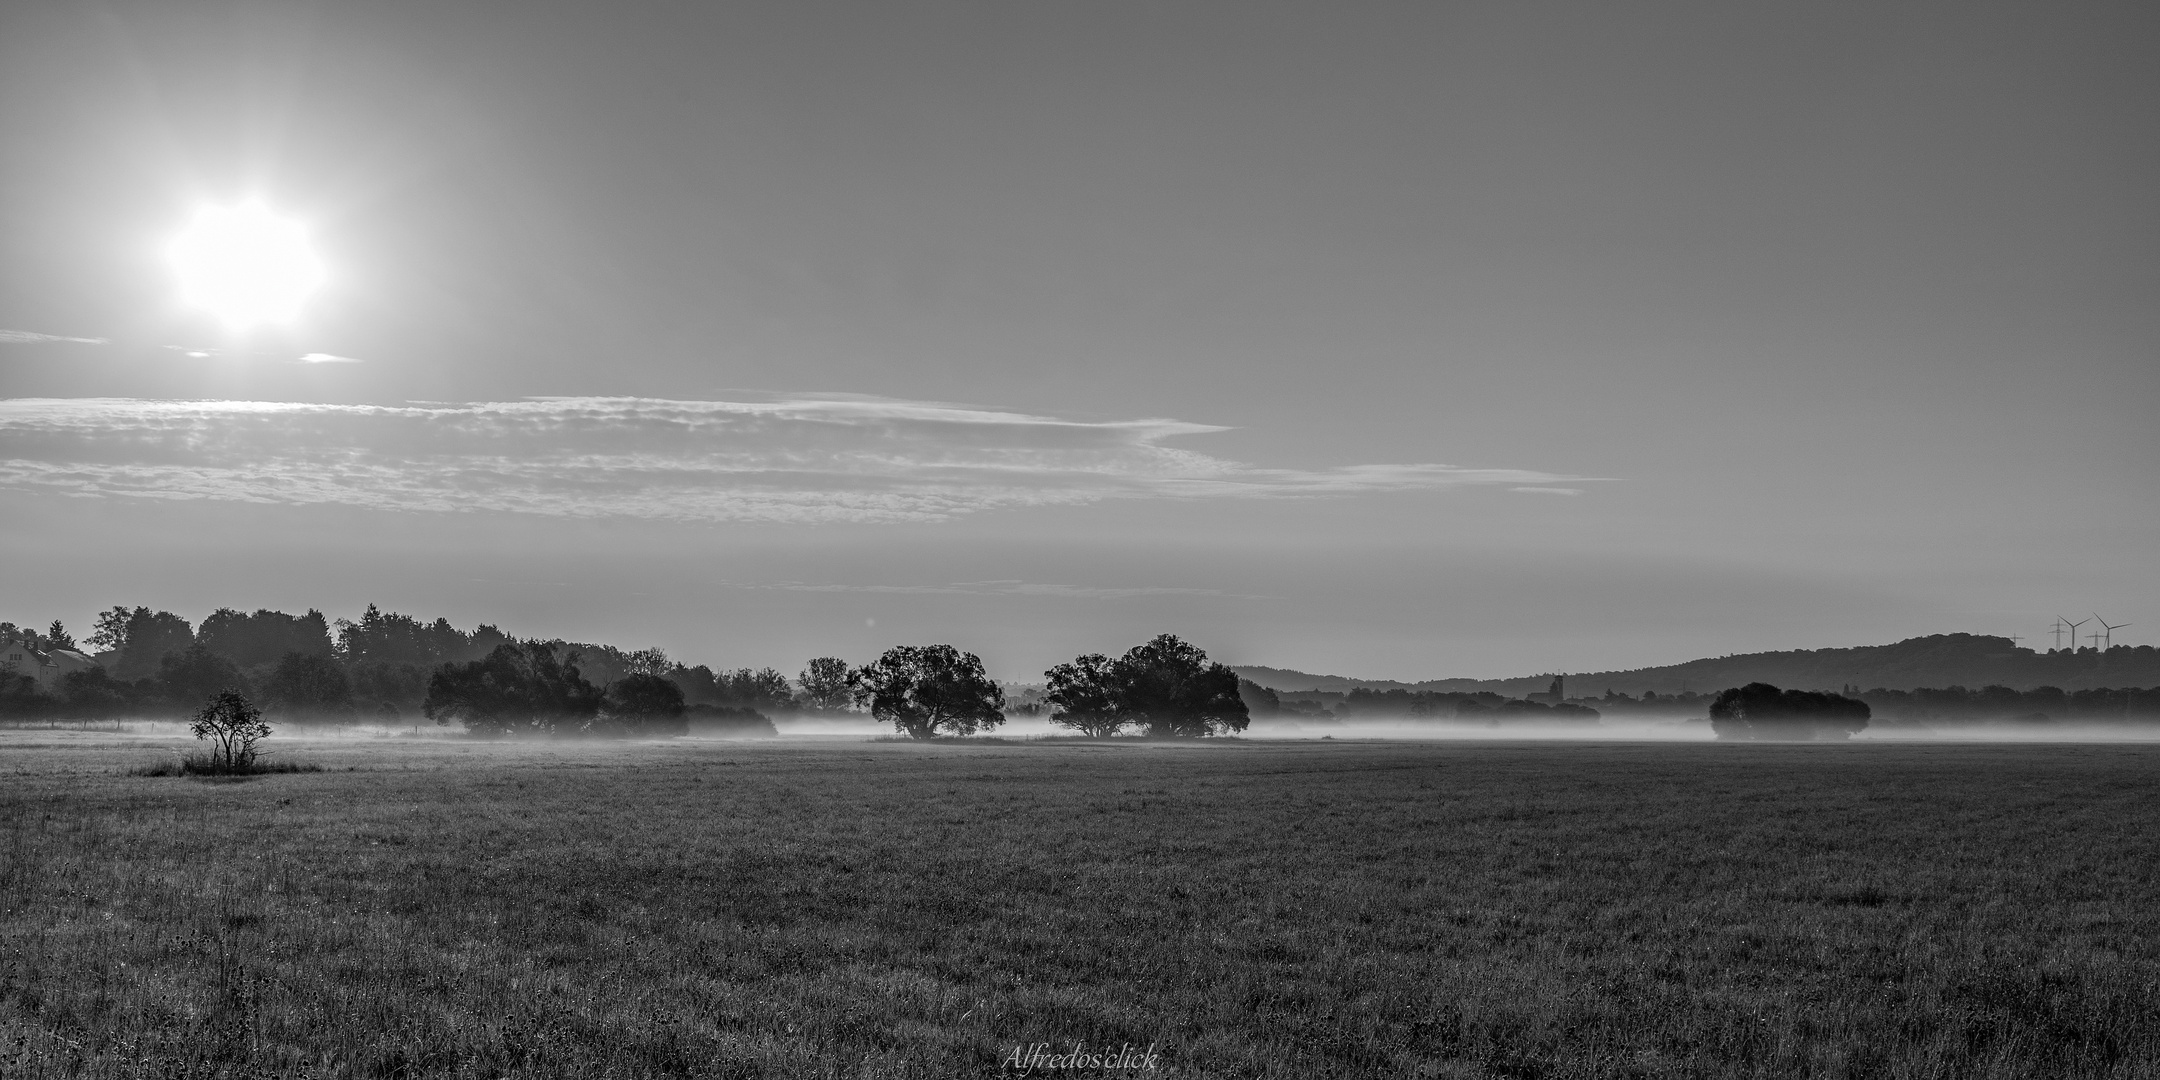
[{"x": 1250, "y": 909}]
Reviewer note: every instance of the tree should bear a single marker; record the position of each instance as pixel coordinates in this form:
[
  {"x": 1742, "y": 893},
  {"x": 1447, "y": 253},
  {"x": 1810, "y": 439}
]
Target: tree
[
  {"x": 647, "y": 662},
  {"x": 386, "y": 637},
  {"x": 643, "y": 704},
  {"x": 1762, "y": 711},
  {"x": 1167, "y": 686},
  {"x": 310, "y": 684},
  {"x": 1172, "y": 690},
  {"x": 196, "y": 673},
  {"x": 95, "y": 693},
  {"x": 232, "y": 725},
  {"x": 764, "y": 689},
  {"x": 57, "y": 637},
  {"x": 1087, "y": 695},
  {"x": 265, "y": 637},
  {"x": 20, "y": 697},
  {"x": 926, "y": 690},
  {"x": 1261, "y": 701},
  {"x": 144, "y": 638},
  {"x": 108, "y": 633},
  {"x": 520, "y": 687},
  {"x": 825, "y": 684}
]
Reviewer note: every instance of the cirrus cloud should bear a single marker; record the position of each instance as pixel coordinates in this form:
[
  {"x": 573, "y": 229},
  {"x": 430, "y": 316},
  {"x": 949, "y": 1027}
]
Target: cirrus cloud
[
  {"x": 828, "y": 458},
  {"x": 32, "y": 337}
]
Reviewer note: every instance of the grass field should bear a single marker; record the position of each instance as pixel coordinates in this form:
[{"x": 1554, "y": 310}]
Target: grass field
[{"x": 1251, "y": 909}]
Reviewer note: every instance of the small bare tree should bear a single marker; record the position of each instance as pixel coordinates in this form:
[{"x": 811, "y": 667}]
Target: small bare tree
[{"x": 232, "y": 725}]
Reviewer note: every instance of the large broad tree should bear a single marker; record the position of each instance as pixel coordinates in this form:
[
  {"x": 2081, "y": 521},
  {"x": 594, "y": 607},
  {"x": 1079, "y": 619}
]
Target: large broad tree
[
  {"x": 1086, "y": 696},
  {"x": 1171, "y": 689},
  {"x": 523, "y": 687},
  {"x": 930, "y": 690},
  {"x": 1760, "y": 711},
  {"x": 1167, "y": 687}
]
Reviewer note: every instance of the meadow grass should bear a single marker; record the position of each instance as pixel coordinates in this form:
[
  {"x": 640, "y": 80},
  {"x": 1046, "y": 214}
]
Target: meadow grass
[{"x": 1250, "y": 909}]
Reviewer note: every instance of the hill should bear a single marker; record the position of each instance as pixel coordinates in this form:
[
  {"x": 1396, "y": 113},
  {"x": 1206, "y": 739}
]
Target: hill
[{"x": 1938, "y": 660}]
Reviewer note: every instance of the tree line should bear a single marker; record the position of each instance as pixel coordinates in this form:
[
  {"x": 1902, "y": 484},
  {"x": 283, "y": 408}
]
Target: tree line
[
  {"x": 1481, "y": 706},
  {"x": 386, "y": 667},
  {"x": 2046, "y": 704},
  {"x": 1164, "y": 688}
]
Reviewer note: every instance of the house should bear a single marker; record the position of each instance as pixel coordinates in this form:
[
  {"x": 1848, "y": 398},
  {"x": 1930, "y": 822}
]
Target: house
[{"x": 48, "y": 668}]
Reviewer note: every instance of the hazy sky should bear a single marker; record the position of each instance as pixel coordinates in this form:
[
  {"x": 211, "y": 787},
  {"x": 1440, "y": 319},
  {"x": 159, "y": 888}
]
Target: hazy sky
[{"x": 1405, "y": 341}]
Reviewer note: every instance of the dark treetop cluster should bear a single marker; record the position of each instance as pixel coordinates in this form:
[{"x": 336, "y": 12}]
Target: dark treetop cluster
[{"x": 386, "y": 667}]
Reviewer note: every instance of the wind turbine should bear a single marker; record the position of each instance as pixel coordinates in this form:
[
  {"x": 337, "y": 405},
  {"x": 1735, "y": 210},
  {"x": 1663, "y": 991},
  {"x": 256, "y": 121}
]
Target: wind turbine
[
  {"x": 2072, "y": 626},
  {"x": 2110, "y": 628}
]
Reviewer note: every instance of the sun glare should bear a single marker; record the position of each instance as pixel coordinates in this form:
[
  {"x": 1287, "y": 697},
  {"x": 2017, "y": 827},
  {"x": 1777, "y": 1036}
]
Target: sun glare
[{"x": 246, "y": 265}]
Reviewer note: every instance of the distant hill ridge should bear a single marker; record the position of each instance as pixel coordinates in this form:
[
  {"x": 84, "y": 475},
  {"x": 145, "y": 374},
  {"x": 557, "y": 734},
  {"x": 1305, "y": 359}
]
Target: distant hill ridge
[{"x": 1938, "y": 660}]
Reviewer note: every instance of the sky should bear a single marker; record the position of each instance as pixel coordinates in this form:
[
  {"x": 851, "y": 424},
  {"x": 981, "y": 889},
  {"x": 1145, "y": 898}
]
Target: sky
[{"x": 1388, "y": 340}]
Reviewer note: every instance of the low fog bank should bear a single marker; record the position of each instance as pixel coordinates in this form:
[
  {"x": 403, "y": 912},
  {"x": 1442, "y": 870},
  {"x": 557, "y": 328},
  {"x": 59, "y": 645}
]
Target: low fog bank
[
  {"x": 1420, "y": 729},
  {"x": 1692, "y": 729},
  {"x": 858, "y": 727}
]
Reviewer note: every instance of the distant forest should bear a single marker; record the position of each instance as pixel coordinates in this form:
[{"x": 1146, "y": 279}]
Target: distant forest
[
  {"x": 1938, "y": 660},
  {"x": 139, "y": 662},
  {"x": 1946, "y": 705}
]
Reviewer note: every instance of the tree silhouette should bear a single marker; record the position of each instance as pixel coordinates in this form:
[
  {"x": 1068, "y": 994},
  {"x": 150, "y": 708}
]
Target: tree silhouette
[
  {"x": 520, "y": 687},
  {"x": 643, "y": 704},
  {"x": 309, "y": 684},
  {"x": 1087, "y": 696},
  {"x": 1171, "y": 689},
  {"x": 825, "y": 684},
  {"x": 232, "y": 725},
  {"x": 1761, "y": 711},
  {"x": 264, "y": 637},
  {"x": 762, "y": 689},
  {"x": 1167, "y": 686},
  {"x": 195, "y": 673},
  {"x": 142, "y": 638},
  {"x": 927, "y": 690},
  {"x": 648, "y": 662}
]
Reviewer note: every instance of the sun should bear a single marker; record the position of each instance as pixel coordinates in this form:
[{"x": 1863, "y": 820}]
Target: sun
[{"x": 246, "y": 265}]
